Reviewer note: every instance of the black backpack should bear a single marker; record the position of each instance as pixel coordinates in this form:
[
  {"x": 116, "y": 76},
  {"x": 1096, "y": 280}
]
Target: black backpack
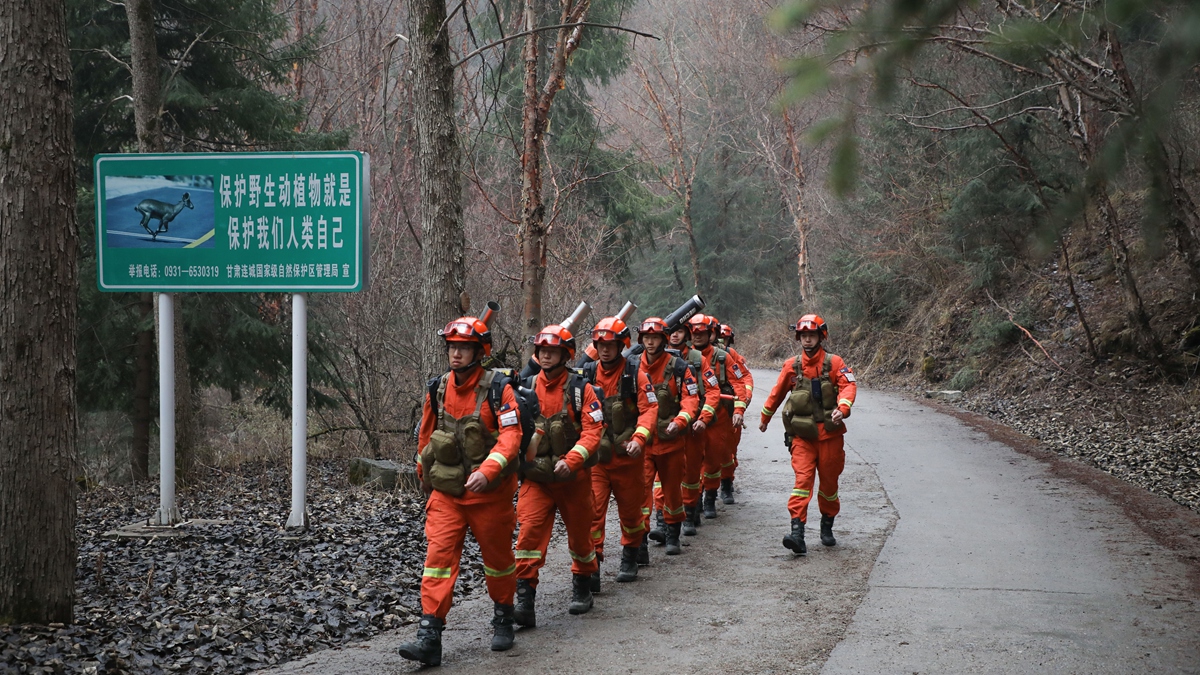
[{"x": 629, "y": 380}]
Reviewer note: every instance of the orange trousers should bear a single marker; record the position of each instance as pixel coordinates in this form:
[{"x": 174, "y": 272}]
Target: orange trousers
[
  {"x": 446, "y": 522},
  {"x": 623, "y": 478},
  {"x": 667, "y": 492},
  {"x": 536, "y": 504},
  {"x": 728, "y": 471},
  {"x": 824, "y": 459},
  {"x": 693, "y": 465},
  {"x": 718, "y": 449}
]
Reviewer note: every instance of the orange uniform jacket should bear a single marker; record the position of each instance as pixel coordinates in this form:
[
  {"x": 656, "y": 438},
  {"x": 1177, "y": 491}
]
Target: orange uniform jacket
[
  {"x": 610, "y": 382},
  {"x": 460, "y": 401},
  {"x": 550, "y": 400},
  {"x": 843, "y": 378},
  {"x": 689, "y": 402},
  {"x": 712, "y": 392},
  {"x": 747, "y": 378}
]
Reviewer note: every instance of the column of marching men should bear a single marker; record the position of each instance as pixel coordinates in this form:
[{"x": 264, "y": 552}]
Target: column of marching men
[{"x": 654, "y": 426}]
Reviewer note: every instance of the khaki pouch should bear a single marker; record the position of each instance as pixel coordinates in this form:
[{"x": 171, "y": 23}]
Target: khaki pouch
[
  {"x": 443, "y": 448},
  {"x": 448, "y": 478}
]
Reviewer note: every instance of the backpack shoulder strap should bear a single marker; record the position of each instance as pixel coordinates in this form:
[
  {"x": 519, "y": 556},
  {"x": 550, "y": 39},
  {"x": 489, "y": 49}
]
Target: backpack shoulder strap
[
  {"x": 629, "y": 380},
  {"x": 492, "y": 384},
  {"x": 437, "y": 393}
]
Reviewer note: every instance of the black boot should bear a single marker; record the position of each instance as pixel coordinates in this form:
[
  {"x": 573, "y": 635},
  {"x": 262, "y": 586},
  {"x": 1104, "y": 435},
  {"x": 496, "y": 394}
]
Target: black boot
[
  {"x": 697, "y": 521},
  {"x": 643, "y": 554},
  {"x": 795, "y": 540},
  {"x": 673, "y": 547},
  {"x": 581, "y": 594},
  {"x": 594, "y": 582},
  {"x": 827, "y": 531},
  {"x": 727, "y": 490},
  {"x": 523, "y": 612},
  {"x": 659, "y": 534},
  {"x": 427, "y": 648},
  {"x": 710, "y": 503},
  {"x": 629, "y": 566},
  {"x": 689, "y": 516},
  {"x": 502, "y": 628}
]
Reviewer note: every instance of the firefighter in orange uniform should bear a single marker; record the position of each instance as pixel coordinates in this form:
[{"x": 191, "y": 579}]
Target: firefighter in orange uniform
[
  {"x": 674, "y": 390},
  {"x": 558, "y": 476},
  {"x": 819, "y": 396},
  {"x": 742, "y": 370},
  {"x": 697, "y": 439},
  {"x": 469, "y": 440},
  {"x": 717, "y": 374},
  {"x": 630, "y": 416}
]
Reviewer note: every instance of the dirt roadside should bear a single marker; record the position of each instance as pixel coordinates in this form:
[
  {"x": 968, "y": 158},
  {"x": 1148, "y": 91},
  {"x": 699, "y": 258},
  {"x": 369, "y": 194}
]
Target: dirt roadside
[{"x": 735, "y": 601}]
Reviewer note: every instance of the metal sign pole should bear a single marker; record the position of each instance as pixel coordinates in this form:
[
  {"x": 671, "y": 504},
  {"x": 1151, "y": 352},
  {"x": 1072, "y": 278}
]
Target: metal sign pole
[
  {"x": 299, "y": 516},
  {"x": 168, "y": 514}
]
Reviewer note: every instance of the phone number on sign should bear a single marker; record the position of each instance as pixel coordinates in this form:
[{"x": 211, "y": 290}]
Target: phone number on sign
[{"x": 194, "y": 271}]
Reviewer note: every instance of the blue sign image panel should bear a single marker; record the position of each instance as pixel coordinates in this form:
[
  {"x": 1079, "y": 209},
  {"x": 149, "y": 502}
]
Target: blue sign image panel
[{"x": 159, "y": 212}]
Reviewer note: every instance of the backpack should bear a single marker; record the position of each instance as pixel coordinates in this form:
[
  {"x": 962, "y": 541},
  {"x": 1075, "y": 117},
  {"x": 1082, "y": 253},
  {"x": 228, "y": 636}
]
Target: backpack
[
  {"x": 628, "y": 387},
  {"x": 576, "y": 381},
  {"x": 527, "y": 402}
]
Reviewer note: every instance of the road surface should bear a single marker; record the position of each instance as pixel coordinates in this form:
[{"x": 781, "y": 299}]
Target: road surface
[{"x": 956, "y": 554}]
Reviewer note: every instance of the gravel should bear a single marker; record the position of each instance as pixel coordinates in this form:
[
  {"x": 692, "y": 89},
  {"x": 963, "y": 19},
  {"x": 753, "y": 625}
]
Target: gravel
[
  {"x": 1122, "y": 432},
  {"x": 235, "y": 596}
]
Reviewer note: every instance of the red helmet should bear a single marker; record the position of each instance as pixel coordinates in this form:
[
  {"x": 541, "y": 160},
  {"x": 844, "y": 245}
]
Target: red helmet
[
  {"x": 652, "y": 326},
  {"x": 612, "y": 329},
  {"x": 468, "y": 329},
  {"x": 812, "y": 322},
  {"x": 725, "y": 331},
  {"x": 555, "y": 335},
  {"x": 703, "y": 322}
]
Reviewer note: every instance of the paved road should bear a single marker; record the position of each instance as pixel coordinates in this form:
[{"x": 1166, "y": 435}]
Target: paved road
[
  {"x": 1008, "y": 563},
  {"x": 992, "y": 563}
]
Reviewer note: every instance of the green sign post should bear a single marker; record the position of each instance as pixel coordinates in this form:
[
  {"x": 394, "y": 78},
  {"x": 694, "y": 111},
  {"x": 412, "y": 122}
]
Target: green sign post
[
  {"x": 284, "y": 222},
  {"x": 253, "y": 221}
]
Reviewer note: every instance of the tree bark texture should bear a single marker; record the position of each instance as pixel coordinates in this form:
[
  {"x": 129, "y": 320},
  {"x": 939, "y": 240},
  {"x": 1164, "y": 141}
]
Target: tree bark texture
[
  {"x": 443, "y": 277},
  {"x": 38, "y": 289},
  {"x": 795, "y": 202},
  {"x": 147, "y": 118},
  {"x": 535, "y": 114},
  {"x": 693, "y": 250},
  {"x": 1139, "y": 319},
  {"x": 143, "y": 387}
]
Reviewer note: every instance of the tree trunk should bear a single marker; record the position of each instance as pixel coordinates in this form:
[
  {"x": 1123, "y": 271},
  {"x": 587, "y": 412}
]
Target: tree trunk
[
  {"x": 693, "y": 249},
  {"x": 535, "y": 112},
  {"x": 147, "y": 94},
  {"x": 443, "y": 274},
  {"x": 143, "y": 386},
  {"x": 795, "y": 201},
  {"x": 1139, "y": 319},
  {"x": 38, "y": 290},
  {"x": 533, "y": 211},
  {"x": 1087, "y": 329}
]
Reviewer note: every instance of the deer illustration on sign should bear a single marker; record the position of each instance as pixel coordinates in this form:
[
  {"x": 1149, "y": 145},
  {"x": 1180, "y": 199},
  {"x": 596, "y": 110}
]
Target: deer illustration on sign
[{"x": 164, "y": 212}]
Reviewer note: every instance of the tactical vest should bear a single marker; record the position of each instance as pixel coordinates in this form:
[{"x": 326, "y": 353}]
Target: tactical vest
[
  {"x": 811, "y": 401},
  {"x": 620, "y": 411},
  {"x": 458, "y": 446},
  {"x": 669, "y": 404},
  {"x": 560, "y": 432}
]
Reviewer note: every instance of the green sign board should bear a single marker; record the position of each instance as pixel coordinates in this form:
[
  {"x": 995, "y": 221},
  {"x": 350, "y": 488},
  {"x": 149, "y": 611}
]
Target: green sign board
[{"x": 248, "y": 221}]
